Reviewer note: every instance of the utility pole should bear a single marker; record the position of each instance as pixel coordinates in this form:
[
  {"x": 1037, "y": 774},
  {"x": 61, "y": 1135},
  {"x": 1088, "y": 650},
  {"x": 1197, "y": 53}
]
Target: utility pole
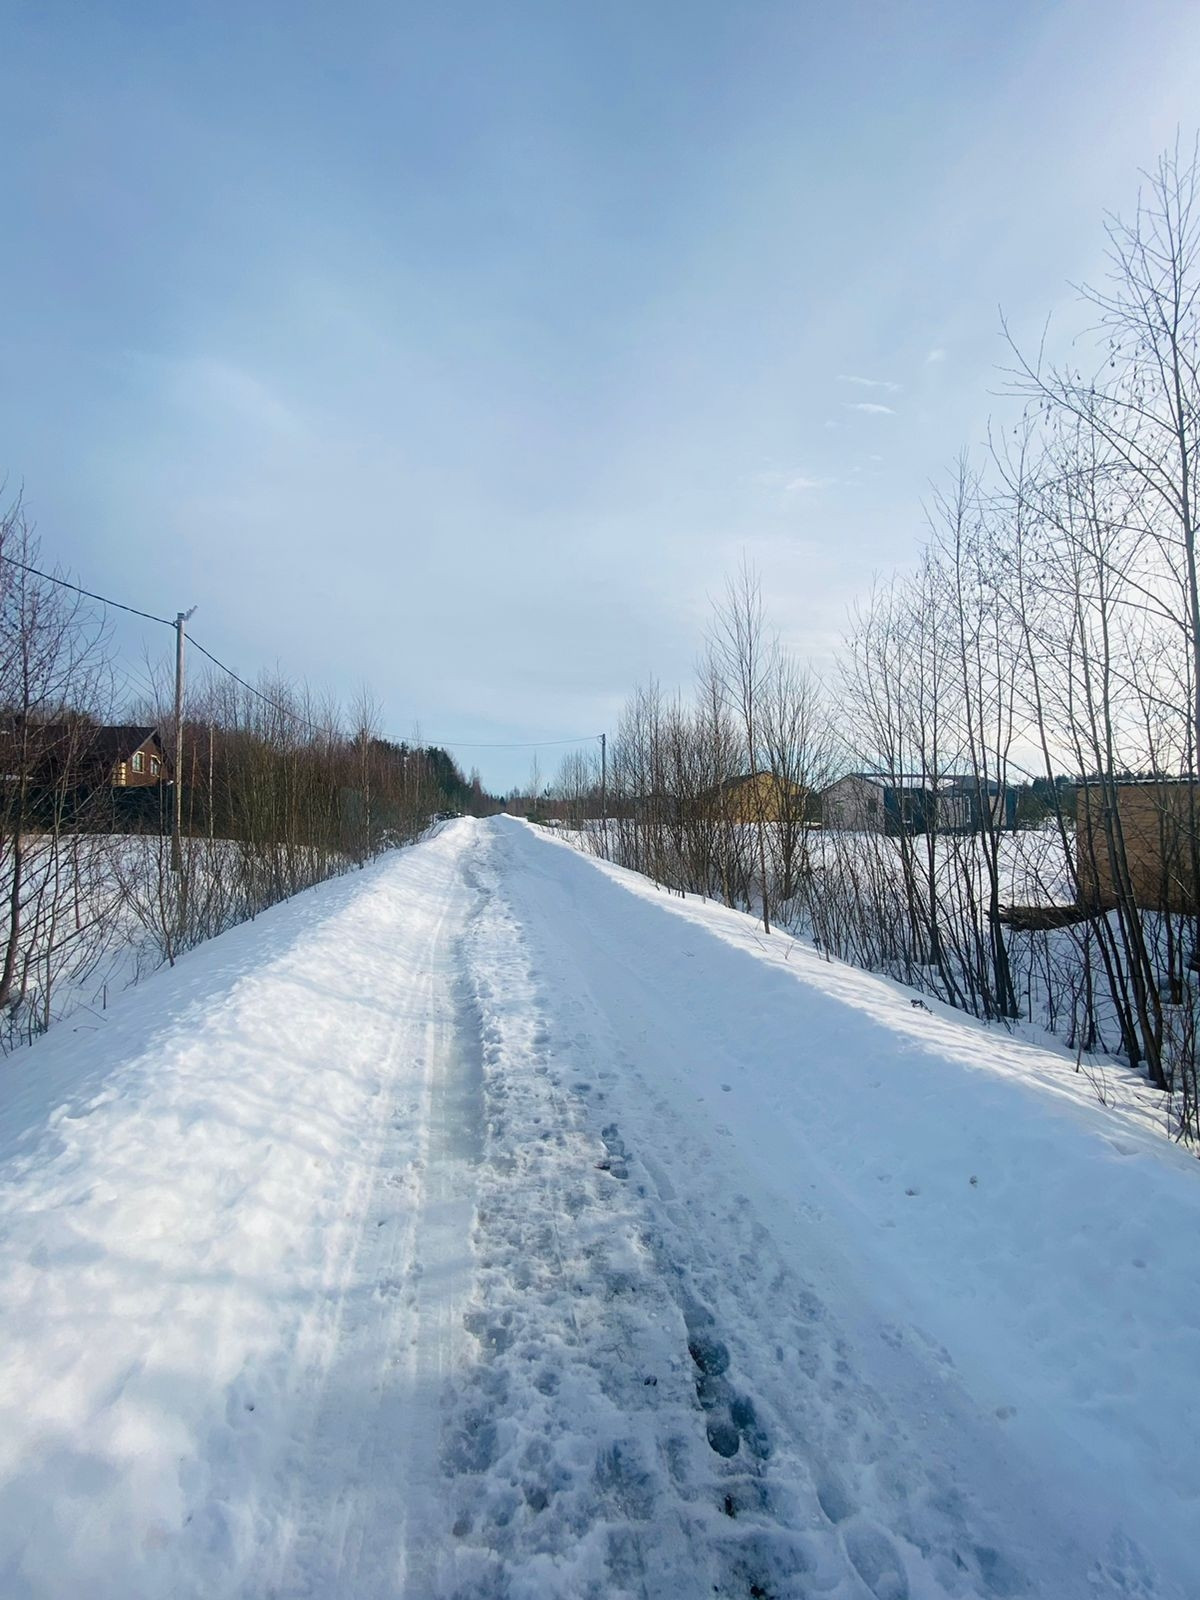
[
  {"x": 604, "y": 790},
  {"x": 181, "y": 619}
]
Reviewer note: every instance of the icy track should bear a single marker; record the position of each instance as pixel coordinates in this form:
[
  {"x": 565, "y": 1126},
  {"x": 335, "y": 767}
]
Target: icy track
[{"x": 492, "y": 1226}]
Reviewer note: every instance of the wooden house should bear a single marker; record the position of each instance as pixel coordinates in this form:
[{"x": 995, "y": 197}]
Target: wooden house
[
  {"x": 86, "y": 775},
  {"x": 129, "y": 756},
  {"x": 81, "y": 756},
  {"x": 761, "y": 798},
  {"x": 1151, "y": 826}
]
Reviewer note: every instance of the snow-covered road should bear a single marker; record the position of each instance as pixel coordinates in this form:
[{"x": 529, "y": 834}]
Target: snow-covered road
[{"x": 493, "y": 1225}]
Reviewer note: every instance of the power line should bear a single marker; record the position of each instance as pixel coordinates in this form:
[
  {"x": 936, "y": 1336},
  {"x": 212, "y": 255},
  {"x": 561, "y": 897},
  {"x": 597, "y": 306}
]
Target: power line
[
  {"x": 460, "y": 744},
  {"x": 517, "y": 744},
  {"x": 117, "y": 605},
  {"x": 103, "y": 599},
  {"x": 276, "y": 705}
]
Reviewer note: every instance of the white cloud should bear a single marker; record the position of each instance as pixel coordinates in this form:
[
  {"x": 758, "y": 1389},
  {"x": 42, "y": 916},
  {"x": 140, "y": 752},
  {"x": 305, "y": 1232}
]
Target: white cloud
[
  {"x": 792, "y": 482},
  {"x": 869, "y": 383},
  {"x": 871, "y": 406},
  {"x": 935, "y": 356}
]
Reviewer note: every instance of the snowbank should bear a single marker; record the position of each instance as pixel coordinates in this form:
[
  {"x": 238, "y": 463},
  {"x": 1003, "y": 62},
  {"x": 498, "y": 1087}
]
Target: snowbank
[
  {"x": 960, "y": 1183},
  {"x": 181, "y": 1197}
]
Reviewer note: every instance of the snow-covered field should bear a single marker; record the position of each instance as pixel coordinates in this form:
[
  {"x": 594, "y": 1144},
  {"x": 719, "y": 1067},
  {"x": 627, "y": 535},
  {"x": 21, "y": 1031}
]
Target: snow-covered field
[{"x": 491, "y": 1224}]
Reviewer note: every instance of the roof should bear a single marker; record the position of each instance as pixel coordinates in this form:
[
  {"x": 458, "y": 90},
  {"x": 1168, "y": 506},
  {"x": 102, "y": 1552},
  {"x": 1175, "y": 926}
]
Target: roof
[
  {"x": 953, "y": 781},
  {"x": 1163, "y": 781},
  {"x": 118, "y": 741},
  {"x": 859, "y": 777},
  {"x": 79, "y": 744},
  {"x": 886, "y": 780}
]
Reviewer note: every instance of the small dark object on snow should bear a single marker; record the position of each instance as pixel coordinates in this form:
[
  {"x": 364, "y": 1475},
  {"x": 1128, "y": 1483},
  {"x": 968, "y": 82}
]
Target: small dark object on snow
[
  {"x": 919, "y": 1005},
  {"x": 974, "y": 1181},
  {"x": 650, "y": 1383},
  {"x": 1037, "y": 919},
  {"x": 729, "y": 1507}
]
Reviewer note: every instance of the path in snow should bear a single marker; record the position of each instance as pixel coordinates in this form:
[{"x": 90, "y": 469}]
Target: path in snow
[
  {"x": 664, "y": 1402},
  {"x": 478, "y": 1229},
  {"x": 359, "y": 1483}
]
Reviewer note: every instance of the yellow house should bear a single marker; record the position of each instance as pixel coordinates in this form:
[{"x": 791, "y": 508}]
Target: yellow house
[{"x": 761, "y": 798}]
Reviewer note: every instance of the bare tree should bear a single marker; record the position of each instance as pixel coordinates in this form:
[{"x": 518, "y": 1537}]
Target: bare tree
[{"x": 742, "y": 657}]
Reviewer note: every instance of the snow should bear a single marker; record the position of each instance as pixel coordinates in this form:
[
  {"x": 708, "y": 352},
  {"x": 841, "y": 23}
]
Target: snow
[
  {"x": 490, "y": 1223},
  {"x": 95, "y": 919}
]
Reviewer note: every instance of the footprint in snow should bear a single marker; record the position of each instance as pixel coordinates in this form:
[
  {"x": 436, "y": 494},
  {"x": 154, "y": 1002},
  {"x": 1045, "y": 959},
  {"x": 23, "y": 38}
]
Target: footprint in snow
[{"x": 877, "y": 1562}]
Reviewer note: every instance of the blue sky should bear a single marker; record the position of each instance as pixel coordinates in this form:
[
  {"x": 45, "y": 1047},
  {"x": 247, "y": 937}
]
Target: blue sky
[{"x": 463, "y": 348}]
